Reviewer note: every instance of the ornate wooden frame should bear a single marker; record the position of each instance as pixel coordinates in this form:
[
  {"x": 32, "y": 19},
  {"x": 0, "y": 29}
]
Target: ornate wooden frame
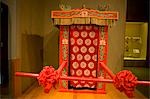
[{"x": 83, "y": 16}]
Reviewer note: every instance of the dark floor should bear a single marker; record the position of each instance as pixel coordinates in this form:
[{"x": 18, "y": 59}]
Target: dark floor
[
  {"x": 142, "y": 73},
  {"x": 4, "y": 94}
]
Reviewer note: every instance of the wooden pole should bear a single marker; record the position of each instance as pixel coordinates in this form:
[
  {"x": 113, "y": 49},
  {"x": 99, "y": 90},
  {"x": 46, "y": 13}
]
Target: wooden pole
[
  {"x": 86, "y": 79},
  {"x": 110, "y": 73},
  {"x": 32, "y": 75},
  {"x": 59, "y": 70}
]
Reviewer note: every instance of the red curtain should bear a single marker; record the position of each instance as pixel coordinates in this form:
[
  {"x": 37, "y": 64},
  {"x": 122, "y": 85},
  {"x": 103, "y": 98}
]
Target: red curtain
[{"x": 83, "y": 52}]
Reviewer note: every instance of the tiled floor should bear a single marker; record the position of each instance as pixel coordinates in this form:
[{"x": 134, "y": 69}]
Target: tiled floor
[{"x": 36, "y": 92}]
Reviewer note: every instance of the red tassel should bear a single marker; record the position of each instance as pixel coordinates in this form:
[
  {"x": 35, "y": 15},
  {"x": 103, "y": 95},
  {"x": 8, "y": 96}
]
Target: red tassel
[
  {"x": 47, "y": 78},
  {"x": 125, "y": 81}
]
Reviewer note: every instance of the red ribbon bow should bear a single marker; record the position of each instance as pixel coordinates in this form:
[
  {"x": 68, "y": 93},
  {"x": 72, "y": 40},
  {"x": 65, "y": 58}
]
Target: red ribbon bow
[
  {"x": 47, "y": 78},
  {"x": 125, "y": 81}
]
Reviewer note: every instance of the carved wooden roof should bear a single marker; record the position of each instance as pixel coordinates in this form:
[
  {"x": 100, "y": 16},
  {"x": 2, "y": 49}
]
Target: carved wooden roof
[{"x": 84, "y": 16}]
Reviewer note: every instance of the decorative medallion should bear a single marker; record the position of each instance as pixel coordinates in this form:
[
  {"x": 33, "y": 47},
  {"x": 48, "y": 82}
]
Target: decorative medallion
[
  {"x": 82, "y": 64},
  {"x": 91, "y": 65},
  {"x": 79, "y": 72},
  {"x": 79, "y": 57},
  {"x": 79, "y": 41},
  {"x": 95, "y": 42},
  {"x": 84, "y": 34},
  {"x": 87, "y": 57},
  {"x": 87, "y": 42},
  {"x": 91, "y": 49},
  {"x": 92, "y": 34},
  {"x": 72, "y": 72},
  {"x": 86, "y": 72},
  {"x": 83, "y": 49},
  {"x": 94, "y": 57},
  {"x": 94, "y": 73},
  {"x": 75, "y": 65},
  {"x": 72, "y": 41},
  {"x": 72, "y": 56},
  {"x": 75, "y": 49},
  {"x": 75, "y": 33}
]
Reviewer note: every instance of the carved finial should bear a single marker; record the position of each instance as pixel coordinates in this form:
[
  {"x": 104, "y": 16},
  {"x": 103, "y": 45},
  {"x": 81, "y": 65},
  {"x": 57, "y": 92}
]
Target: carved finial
[
  {"x": 104, "y": 7},
  {"x": 64, "y": 7},
  {"x": 83, "y": 6},
  {"x": 61, "y": 6}
]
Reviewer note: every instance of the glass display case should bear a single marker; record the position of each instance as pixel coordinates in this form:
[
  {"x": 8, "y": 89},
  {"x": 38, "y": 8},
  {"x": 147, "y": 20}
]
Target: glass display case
[{"x": 135, "y": 48}]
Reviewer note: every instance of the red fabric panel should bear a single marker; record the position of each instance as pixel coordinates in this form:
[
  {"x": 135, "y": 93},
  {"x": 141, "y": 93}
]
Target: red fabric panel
[{"x": 83, "y": 54}]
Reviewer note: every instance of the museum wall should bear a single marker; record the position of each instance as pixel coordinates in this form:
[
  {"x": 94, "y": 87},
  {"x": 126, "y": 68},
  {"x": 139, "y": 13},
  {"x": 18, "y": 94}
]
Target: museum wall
[
  {"x": 116, "y": 33},
  {"x": 25, "y": 42},
  {"x": 33, "y": 33},
  {"x": 30, "y": 29},
  {"x": 51, "y": 33}
]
